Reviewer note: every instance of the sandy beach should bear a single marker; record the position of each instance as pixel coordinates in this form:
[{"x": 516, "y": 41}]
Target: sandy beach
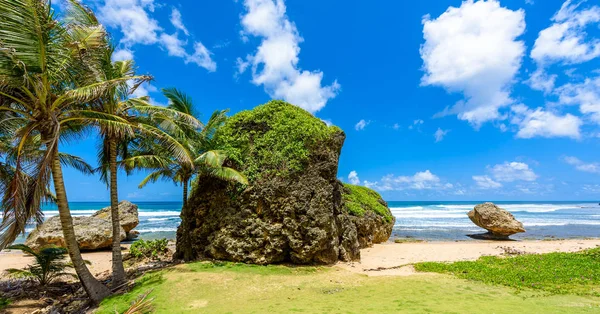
[
  {"x": 100, "y": 261},
  {"x": 389, "y": 259}
]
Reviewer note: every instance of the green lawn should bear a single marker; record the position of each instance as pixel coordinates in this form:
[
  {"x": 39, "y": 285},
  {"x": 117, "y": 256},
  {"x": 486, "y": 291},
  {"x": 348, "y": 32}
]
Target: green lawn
[
  {"x": 236, "y": 288},
  {"x": 556, "y": 273}
]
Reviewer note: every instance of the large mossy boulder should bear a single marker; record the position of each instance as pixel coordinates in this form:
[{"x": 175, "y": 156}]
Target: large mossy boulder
[{"x": 294, "y": 209}]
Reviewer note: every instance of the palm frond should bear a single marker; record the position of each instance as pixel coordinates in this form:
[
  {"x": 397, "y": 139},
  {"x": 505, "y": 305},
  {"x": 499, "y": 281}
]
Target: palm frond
[
  {"x": 23, "y": 195},
  {"x": 48, "y": 264},
  {"x": 226, "y": 174},
  {"x": 164, "y": 113},
  {"x": 79, "y": 14},
  {"x": 216, "y": 120},
  {"x": 179, "y": 101},
  {"x": 31, "y": 39},
  {"x": 93, "y": 91},
  {"x": 76, "y": 163},
  {"x": 24, "y": 248},
  {"x": 212, "y": 158},
  {"x": 19, "y": 273},
  {"x": 146, "y": 162},
  {"x": 163, "y": 174},
  {"x": 141, "y": 305}
]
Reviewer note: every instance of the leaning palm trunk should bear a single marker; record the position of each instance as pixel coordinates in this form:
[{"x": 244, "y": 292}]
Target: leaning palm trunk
[
  {"x": 118, "y": 271},
  {"x": 96, "y": 290}
]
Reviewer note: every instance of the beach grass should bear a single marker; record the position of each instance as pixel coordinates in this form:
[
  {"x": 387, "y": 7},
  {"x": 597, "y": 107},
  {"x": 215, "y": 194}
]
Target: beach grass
[
  {"x": 556, "y": 273},
  {"x": 239, "y": 288}
]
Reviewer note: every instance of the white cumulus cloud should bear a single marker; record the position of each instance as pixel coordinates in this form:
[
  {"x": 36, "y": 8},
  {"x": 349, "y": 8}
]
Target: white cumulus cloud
[
  {"x": 474, "y": 49},
  {"x": 416, "y": 124},
  {"x": 174, "y": 45},
  {"x": 586, "y": 95},
  {"x": 122, "y": 54},
  {"x": 177, "y": 22},
  {"x": 361, "y": 125},
  {"x": 541, "y": 80},
  {"x": 513, "y": 171},
  {"x": 353, "y": 178},
  {"x": 440, "y": 134},
  {"x": 275, "y": 63},
  {"x": 566, "y": 39},
  {"x": 134, "y": 18},
  {"x": 485, "y": 182},
  {"x": 424, "y": 180},
  {"x": 201, "y": 57},
  {"x": 542, "y": 123},
  {"x": 592, "y": 167}
]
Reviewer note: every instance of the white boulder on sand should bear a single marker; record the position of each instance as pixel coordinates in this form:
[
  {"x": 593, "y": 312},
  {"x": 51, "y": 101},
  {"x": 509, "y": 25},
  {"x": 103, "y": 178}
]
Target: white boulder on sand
[
  {"x": 92, "y": 233},
  {"x": 499, "y": 223}
]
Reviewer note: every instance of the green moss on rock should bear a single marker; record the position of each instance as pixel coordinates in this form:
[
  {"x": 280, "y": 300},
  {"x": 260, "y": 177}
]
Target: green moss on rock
[
  {"x": 272, "y": 139},
  {"x": 359, "y": 199}
]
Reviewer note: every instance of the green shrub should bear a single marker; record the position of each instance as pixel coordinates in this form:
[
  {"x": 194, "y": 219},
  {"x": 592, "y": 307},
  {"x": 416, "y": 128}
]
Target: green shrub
[
  {"x": 359, "y": 199},
  {"x": 48, "y": 266},
  {"x": 152, "y": 249}
]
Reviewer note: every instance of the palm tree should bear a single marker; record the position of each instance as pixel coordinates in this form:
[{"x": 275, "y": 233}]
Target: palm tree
[
  {"x": 47, "y": 77},
  {"x": 115, "y": 103},
  {"x": 41, "y": 67},
  {"x": 207, "y": 159},
  {"x": 116, "y": 138},
  {"x": 48, "y": 266}
]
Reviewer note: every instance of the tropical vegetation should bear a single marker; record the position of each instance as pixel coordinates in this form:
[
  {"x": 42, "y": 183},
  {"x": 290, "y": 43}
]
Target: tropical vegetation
[
  {"x": 206, "y": 159},
  {"x": 137, "y": 118},
  {"x": 59, "y": 83},
  {"x": 152, "y": 249},
  {"x": 49, "y": 265},
  {"x": 45, "y": 82}
]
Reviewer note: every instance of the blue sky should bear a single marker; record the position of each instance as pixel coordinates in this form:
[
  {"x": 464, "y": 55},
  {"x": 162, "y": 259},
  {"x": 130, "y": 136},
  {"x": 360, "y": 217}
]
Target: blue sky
[{"x": 440, "y": 100}]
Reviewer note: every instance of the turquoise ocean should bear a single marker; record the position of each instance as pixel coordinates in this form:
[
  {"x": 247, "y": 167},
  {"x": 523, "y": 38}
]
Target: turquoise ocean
[{"x": 436, "y": 221}]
